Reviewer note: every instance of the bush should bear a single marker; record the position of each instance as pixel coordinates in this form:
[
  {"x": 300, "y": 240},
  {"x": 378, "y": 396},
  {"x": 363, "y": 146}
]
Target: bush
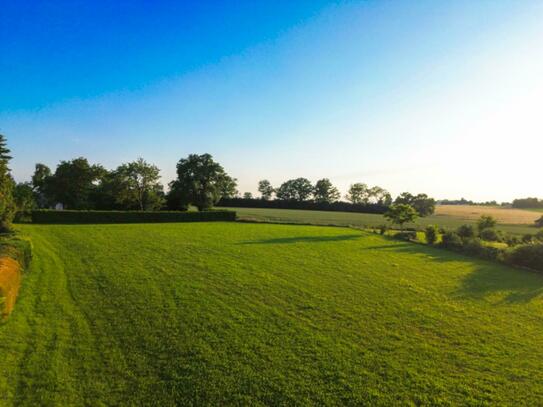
[
  {"x": 486, "y": 222},
  {"x": 88, "y": 217},
  {"x": 527, "y": 238},
  {"x": 451, "y": 240},
  {"x": 431, "y": 234},
  {"x": 530, "y": 256},
  {"x": 383, "y": 229},
  {"x": 539, "y": 222},
  {"x": 406, "y": 235},
  {"x": 466, "y": 231},
  {"x": 490, "y": 235},
  {"x": 475, "y": 247},
  {"x": 539, "y": 236},
  {"x": 512, "y": 240}
]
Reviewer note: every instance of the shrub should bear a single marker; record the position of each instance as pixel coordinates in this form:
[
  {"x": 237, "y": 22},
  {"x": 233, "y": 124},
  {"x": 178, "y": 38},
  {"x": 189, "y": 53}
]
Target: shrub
[
  {"x": 512, "y": 240},
  {"x": 539, "y": 236},
  {"x": 539, "y": 222},
  {"x": 431, "y": 234},
  {"x": 451, "y": 240},
  {"x": 475, "y": 247},
  {"x": 490, "y": 235},
  {"x": 527, "y": 238},
  {"x": 466, "y": 231},
  {"x": 406, "y": 235},
  {"x": 486, "y": 222},
  {"x": 75, "y": 217},
  {"x": 383, "y": 229},
  {"x": 530, "y": 256}
]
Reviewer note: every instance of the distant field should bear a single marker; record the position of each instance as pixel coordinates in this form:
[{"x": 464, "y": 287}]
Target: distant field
[
  {"x": 364, "y": 219},
  {"x": 503, "y": 215},
  {"x": 262, "y": 314}
]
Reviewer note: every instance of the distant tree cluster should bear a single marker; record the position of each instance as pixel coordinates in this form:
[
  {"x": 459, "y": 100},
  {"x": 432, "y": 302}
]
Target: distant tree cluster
[
  {"x": 528, "y": 203},
  {"x": 464, "y": 201}
]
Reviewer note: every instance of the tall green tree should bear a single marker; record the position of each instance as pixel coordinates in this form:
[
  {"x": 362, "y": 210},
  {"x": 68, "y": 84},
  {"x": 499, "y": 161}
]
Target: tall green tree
[
  {"x": 7, "y": 203},
  {"x": 401, "y": 214},
  {"x": 266, "y": 190},
  {"x": 25, "y": 198},
  {"x": 423, "y": 204},
  {"x": 42, "y": 184},
  {"x": 137, "y": 186},
  {"x": 200, "y": 181},
  {"x": 75, "y": 181},
  {"x": 325, "y": 192},
  {"x": 299, "y": 189},
  {"x": 358, "y": 194}
]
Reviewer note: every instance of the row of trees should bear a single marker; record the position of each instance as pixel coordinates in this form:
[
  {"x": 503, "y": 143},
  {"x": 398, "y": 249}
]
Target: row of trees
[
  {"x": 76, "y": 184},
  {"x": 301, "y": 189},
  {"x": 201, "y": 181}
]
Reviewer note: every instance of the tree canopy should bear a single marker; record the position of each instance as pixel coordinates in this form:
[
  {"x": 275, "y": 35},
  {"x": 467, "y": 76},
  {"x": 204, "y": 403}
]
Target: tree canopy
[
  {"x": 299, "y": 189},
  {"x": 325, "y": 192},
  {"x": 401, "y": 214},
  {"x": 200, "y": 181}
]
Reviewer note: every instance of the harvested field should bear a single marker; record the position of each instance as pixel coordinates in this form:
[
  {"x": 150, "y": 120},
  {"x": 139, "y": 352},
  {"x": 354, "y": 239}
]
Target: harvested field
[{"x": 509, "y": 216}]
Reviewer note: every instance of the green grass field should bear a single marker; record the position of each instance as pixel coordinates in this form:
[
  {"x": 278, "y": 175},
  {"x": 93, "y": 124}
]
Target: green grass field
[
  {"x": 254, "y": 314},
  {"x": 358, "y": 219}
]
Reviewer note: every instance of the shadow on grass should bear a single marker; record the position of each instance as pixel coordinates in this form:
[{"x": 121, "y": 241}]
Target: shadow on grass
[
  {"x": 303, "y": 239},
  {"x": 488, "y": 277}
]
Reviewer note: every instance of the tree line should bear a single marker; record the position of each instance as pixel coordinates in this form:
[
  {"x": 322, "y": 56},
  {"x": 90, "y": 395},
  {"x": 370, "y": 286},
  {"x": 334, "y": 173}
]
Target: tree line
[{"x": 201, "y": 182}]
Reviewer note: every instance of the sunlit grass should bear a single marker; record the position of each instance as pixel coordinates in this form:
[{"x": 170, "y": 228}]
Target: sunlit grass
[{"x": 228, "y": 313}]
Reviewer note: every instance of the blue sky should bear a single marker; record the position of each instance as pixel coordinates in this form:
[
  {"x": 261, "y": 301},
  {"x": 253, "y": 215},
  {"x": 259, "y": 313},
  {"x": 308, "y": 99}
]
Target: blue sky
[{"x": 428, "y": 96}]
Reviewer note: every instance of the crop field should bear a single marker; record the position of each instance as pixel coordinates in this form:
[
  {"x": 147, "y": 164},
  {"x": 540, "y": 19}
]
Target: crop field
[
  {"x": 502, "y": 215},
  {"x": 234, "y": 313},
  {"x": 441, "y": 219}
]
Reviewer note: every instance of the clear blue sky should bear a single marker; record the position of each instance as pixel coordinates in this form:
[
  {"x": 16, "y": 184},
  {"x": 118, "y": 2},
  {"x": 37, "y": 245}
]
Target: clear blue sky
[{"x": 430, "y": 96}]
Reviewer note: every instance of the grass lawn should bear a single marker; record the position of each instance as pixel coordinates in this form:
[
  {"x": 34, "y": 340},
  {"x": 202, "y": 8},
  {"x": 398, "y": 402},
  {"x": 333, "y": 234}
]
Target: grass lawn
[
  {"x": 361, "y": 219},
  {"x": 230, "y": 313}
]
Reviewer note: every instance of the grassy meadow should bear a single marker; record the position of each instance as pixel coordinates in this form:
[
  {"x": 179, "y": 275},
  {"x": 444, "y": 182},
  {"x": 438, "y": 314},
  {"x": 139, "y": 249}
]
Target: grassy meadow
[
  {"x": 446, "y": 217},
  {"x": 264, "y": 314}
]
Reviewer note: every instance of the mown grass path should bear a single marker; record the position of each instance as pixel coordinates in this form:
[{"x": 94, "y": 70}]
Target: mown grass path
[{"x": 226, "y": 313}]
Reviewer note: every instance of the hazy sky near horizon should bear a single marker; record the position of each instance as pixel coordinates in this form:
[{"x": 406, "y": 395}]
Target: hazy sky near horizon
[{"x": 442, "y": 97}]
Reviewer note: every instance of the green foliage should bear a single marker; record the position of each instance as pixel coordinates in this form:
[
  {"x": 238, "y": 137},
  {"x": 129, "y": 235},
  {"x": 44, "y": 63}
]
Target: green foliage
[
  {"x": 423, "y": 204},
  {"x": 325, "y": 192},
  {"x": 247, "y": 195},
  {"x": 401, "y": 214},
  {"x": 74, "y": 182},
  {"x": 490, "y": 235},
  {"x": 89, "y": 217},
  {"x": 266, "y": 190},
  {"x": 299, "y": 189},
  {"x": 451, "y": 240},
  {"x": 137, "y": 186},
  {"x": 24, "y": 196},
  {"x": 486, "y": 222},
  {"x": 539, "y": 236},
  {"x": 7, "y": 203},
  {"x": 431, "y": 233},
  {"x": 406, "y": 235},
  {"x": 466, "y": 231},
  {"x": 361, "y": 194},
  {"x": 42, "y": 183},
  {"x": 530, "y": 256},
  {"x": 246, "y": 314},
  {"x": 201, "y": 182},
  {"x": 539, "y": 222}
]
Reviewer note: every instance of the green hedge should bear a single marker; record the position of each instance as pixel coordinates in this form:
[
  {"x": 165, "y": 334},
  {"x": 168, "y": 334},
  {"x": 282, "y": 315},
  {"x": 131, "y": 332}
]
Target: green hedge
[{"x": 89, "y": 217}]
